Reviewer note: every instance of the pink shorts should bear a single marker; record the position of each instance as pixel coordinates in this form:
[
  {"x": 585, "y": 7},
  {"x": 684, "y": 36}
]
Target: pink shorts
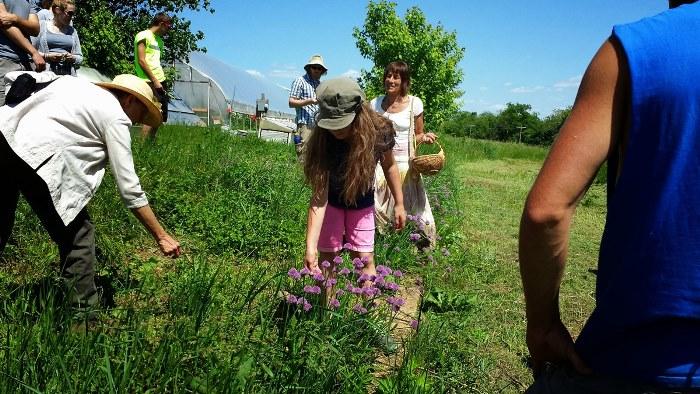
[{"x": 356, "y": 224}]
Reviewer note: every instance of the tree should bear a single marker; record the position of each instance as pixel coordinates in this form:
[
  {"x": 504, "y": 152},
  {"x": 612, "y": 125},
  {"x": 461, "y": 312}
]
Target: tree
[
  {"x": 107, "y": 30},
  {"x": 552, "y": 124},
  {"x": 431, "y": 52},
  {"x": 513, "y": 120}
]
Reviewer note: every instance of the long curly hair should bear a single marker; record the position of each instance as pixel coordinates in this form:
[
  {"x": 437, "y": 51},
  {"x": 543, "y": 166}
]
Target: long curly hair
[{"x": 361, "y": 160}]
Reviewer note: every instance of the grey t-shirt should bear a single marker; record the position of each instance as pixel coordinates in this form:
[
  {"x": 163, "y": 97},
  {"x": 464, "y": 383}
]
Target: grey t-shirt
[{"x": 8, "y": 49}]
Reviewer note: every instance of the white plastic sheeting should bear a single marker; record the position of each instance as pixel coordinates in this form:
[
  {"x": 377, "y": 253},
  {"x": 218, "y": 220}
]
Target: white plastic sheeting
[{"x": 212, "y": 88}]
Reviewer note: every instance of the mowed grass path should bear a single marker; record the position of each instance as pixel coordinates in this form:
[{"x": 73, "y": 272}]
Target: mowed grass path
[{"x": 495, "y": 181}]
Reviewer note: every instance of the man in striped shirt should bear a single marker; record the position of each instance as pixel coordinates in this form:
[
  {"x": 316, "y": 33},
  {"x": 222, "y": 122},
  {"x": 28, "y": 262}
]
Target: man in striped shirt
[{"x": 302, "y": 97}]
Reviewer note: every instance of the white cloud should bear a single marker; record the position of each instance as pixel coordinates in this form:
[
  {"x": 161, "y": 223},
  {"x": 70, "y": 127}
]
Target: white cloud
[
  {"x": 255, "y": 73},
  {"x": 286, "y": 71},
  {"x": 508, "y": 84},
  {"x": 354, "y": 74},
  {"x": 571, "y": 83},
  {"x": 527, "y": 89},
  {"x": 483, "y": 88}
]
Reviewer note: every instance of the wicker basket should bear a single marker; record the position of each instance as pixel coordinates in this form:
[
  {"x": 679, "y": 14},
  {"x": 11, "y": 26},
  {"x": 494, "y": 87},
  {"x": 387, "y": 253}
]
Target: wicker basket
[{"x": 429, "y": 164}]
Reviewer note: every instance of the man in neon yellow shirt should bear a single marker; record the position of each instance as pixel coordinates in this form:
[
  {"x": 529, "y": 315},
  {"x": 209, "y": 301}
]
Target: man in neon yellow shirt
[{"x": 148, "y": 46}]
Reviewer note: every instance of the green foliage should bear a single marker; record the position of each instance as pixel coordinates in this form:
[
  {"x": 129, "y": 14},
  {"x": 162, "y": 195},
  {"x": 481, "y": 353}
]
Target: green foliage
[
  {"x": 431, "y": 52},
  {"x": 107, "y": 30},
  {"x": 516, "y": 123},
  {"x": 214, "y": 320}
]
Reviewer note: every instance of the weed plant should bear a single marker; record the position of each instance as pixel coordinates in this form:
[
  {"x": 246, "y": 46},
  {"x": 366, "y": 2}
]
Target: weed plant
[{"x": 218, "y": 319}]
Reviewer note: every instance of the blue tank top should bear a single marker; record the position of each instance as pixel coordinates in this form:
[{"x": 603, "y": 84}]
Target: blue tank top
[{"x": 646, "y": 323}]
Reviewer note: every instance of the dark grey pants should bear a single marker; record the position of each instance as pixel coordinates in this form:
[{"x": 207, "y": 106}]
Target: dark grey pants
[
  {"x": 558, "y": 379},
  {"x": 76, "y": 241}
]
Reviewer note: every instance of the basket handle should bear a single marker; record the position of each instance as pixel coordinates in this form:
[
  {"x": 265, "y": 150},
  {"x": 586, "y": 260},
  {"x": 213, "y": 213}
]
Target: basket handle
[{"x": 434, "y": 142}]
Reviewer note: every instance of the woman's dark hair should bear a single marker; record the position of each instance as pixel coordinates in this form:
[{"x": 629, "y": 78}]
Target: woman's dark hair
[{"x": 401, "y": 68}]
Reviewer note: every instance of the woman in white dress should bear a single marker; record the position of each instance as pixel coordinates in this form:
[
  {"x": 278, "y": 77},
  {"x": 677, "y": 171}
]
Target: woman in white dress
[{"x": 406, "y": 112}]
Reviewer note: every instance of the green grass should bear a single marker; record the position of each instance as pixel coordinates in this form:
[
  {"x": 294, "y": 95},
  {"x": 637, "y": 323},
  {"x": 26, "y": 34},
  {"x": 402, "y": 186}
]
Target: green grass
[
  {"x": 494, "y": 180},
  {"x": 214, "y": 321}
]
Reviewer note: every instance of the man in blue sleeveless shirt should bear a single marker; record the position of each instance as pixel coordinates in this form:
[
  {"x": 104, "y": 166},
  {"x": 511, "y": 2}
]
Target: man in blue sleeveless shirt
[{"x": 638, "y": 107}]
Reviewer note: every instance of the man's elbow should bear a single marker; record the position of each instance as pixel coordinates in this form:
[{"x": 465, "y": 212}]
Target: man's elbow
[
  {"x": 291, "y": 103},
  {"x": 543, "y": 214}
]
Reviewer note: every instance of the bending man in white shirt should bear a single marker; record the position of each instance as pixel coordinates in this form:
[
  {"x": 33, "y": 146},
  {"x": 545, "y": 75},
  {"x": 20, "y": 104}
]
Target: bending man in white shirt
[{"x": 54, "y": 148}]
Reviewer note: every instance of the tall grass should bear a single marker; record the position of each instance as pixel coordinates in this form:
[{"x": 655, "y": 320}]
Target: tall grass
[{"x": 214, "y": 320}]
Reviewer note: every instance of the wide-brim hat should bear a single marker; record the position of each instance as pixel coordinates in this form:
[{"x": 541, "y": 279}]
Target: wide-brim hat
[
  {"x": 316, "y": 60},
  {"x": 339, "y": 100},
  {"x": 138, "y": 88}
]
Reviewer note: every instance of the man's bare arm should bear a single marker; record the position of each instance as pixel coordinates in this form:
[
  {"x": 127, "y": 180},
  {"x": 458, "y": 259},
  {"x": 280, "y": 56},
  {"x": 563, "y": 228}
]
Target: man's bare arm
[
  {"x": 15, "y": 35},
  {"x": 584, "y": 143}
]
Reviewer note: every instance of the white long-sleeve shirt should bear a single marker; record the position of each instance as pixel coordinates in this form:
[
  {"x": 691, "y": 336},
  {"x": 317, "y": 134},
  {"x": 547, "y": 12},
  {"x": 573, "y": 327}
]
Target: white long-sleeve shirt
[{"x": 69, "y": 130}]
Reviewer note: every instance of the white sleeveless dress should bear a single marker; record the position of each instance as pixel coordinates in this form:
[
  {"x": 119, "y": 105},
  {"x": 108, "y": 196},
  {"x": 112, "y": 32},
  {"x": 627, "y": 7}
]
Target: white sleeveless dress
[{"x": 414, "y": 195}]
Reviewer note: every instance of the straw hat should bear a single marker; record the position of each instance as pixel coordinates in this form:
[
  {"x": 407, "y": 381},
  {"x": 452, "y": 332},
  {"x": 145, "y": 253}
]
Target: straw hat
[
  {"x": 138, "y": 88},
  {"x": 316, "y": 60}
]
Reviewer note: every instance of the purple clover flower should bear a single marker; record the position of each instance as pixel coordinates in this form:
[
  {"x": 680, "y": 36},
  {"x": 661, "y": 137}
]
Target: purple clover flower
[
  {"x": 319, "y": 277},
  {"x": 291, "y": 299},
  {"x": 395, "y": 303},
  {"x": 410, "y": 217},
  {"x": 383, "y": 270},
  {"x": 398, "y": 274},
  {"x": 358, "y": 308},
  {"x": 356, "y": 290},
  {"x": 347, "y": 245},
  {"x": 379, "y": 281},
  {"x": 304, "y": 271},
  {"x": 301, "y": 300},
  {"x": 337, "y": 259},
  {"x": 312, "y": 289},
  {"x": 414, "y": 324},
  {"x": 363, "y": 277},
  {"x": 294, "y": 274},
  {"x": 414, "y": 237},
  {"x": 331, "y": 282},
  {"x": 339, "y": 292},
  {"x": 357, "y": 263},
  {"x": 371, "y": 291},
  {"x": 325, "y": 264},
  {"x": 344, "y": 271},
  {"x": 391, "y": 286},
  {"x": 364, "y": 259},
  {"x": 334, "y": 304},
  {"x": 307, "y": 306}
]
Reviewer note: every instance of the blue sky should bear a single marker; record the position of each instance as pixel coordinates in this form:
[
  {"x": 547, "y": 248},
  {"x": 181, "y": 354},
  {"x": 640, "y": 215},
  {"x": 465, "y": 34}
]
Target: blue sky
[{"x": 532, "y": 52}]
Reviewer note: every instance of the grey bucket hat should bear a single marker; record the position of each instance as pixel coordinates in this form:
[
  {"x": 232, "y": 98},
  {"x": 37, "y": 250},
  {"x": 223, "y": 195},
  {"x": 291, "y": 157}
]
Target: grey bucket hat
[{"x": 338, "y": 100}]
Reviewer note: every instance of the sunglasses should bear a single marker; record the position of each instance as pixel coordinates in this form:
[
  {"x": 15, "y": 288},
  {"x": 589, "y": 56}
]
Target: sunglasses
[
  {"x": 69, "y": 13},
  {"x": 316, "y": 68}
]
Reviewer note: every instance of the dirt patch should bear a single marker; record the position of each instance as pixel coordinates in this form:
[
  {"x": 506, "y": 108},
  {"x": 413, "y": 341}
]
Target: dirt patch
[{"x": 401, "y": 330}]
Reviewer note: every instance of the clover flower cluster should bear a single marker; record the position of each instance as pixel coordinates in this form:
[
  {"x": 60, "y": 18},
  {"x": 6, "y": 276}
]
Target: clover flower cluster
[{"x": 347, "y": 279}]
